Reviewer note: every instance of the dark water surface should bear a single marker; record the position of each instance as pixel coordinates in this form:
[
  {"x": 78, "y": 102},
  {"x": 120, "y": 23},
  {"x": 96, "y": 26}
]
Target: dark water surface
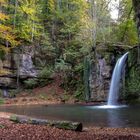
[{"x": 88, "y": 115}]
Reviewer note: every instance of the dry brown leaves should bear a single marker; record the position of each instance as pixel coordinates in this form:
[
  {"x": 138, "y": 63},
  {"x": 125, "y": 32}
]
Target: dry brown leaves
[{"x": 13, "y": 131}]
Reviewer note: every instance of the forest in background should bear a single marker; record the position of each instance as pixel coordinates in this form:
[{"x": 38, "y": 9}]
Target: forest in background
[{"x": 64, "y": 32}]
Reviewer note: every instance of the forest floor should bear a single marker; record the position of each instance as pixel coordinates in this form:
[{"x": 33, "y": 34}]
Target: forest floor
[
  {"x": 13, "y": 131},
  {"x": 50, "y": 94}
]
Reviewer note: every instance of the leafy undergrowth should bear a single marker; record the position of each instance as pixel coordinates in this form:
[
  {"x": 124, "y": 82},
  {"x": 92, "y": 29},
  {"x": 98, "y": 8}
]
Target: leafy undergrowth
[{"x": 52, "y": 93}]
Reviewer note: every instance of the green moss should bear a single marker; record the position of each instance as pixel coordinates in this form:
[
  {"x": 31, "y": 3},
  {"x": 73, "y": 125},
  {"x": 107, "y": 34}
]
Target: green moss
[
  {"x": 14, "y": 118},
  {"x": 65, "y": 125},
  {"x": 2, "y": 126}
]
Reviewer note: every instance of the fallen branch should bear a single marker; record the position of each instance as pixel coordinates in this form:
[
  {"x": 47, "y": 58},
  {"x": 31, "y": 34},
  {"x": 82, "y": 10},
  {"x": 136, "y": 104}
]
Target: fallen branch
[{"x": 75, "y": 126}]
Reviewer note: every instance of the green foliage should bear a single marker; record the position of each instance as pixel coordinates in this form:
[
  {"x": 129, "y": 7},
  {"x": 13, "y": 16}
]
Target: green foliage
[
  {"x": 126, "y": 33},
  {"x": 79, "y": 68},
  {"x": 2, "y": 101},
  {"x": 6, "y": 33},
  {"x": 30, "y": 83},
  {"x": 124, "y": 30},
  {"x": 46, "y": 54},
  {"x": 65, "y": 19},
  {"x": 133, "y": 86},
  {"x": 14, "y": 92},
  {"x": 46, "y": 72},
  {"x": 86, "y": 77},
  {"x": 14, "y": 118},
  {"x": 44, "y": 76},
  {"x": 61, "y": 65},
  {"x": 2, "y": 54},
  {"x": 79, "y": 93},
  {"x": 26, "y": 20}
]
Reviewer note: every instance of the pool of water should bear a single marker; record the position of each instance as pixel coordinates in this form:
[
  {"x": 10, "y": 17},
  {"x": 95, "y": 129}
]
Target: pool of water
[{"x": 127, "y": 116}]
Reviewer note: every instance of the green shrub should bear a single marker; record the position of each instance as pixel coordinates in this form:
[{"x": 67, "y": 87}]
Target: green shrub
[
  {"x": 14, "y": 92},
  {"x": 2, "y": 54},
  {"x": 31, "y": 83},
  {"x": 46, "y": 72},
  {"x": 2, "y": 101},
  {"x": 43, "y": 79},
  {"x": 44, "y": 76},
  {"x": 132, "y": 91},
  {"x": 79, "y": 93},
  {"x": 61, "y": 65}
]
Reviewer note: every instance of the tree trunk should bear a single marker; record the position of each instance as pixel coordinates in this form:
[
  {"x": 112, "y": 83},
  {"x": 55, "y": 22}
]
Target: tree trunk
[
  {"x": 75, "y": 126},
  {"x": 136, "y": 5}
]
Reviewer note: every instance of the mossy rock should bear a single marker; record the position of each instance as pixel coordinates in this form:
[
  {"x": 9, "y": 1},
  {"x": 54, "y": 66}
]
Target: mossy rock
[{"x": 2, "y": 126}]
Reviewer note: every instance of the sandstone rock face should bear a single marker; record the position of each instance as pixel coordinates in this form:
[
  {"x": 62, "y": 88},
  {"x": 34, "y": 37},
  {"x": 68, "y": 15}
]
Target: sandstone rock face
[
  {"x": 26, "y": 66},
  {"x": 5, "y": 72},
  {"x": 24, "y": 63},
  {"x": 101, "y": 71},
  {"x": 17, "y": 64},
  {"x": 100, "y": 80}
]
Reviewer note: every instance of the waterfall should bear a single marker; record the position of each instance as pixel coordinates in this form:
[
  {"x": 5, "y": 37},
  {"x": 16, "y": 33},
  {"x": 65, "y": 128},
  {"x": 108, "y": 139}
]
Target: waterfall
[{"x": 115, "y": 81}]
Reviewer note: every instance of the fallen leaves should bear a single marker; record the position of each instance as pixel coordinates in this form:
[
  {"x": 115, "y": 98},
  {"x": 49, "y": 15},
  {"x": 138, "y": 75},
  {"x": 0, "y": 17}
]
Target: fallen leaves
[{"x": 14, "y": 131}]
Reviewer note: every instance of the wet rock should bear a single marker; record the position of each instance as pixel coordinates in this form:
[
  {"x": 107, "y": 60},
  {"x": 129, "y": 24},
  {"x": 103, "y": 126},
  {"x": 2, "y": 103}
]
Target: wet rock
[{"x": 99, "y": 80}]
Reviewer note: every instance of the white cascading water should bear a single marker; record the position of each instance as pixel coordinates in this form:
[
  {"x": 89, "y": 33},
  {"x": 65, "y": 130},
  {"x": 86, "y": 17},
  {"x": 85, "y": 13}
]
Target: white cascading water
[{"x": 115, "y": 81}]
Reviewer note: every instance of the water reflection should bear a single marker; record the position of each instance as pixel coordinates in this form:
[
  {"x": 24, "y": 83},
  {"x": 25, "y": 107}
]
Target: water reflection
[
  {"x": 88, "y": 115},
  {"x": 115, "y": 118}
]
